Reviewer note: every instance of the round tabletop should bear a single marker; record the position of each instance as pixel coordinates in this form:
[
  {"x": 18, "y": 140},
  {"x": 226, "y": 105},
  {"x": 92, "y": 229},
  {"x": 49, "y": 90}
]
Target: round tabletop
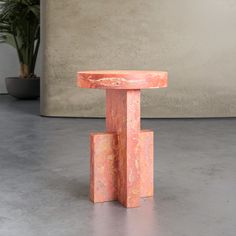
[{"x": 123, "y": 79}]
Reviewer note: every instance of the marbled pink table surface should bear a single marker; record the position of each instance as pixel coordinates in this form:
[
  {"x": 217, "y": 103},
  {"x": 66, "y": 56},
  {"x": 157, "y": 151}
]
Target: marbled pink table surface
[{"x": 123, "y": 79}]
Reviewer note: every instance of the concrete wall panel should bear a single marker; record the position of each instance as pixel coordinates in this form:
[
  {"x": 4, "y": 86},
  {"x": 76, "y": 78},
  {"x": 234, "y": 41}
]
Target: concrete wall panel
[{"x": 194, "y": 40}]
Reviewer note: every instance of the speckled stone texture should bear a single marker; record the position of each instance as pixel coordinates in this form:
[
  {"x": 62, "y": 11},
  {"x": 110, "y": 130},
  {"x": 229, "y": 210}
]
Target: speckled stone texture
[
  {"x": 123, "y": 117},
  {"x": 121, "y": 165},
  {"x": 104, "y": 166},
  {"x": 122, "y": 79},
  {"x": 178, "y": 36}
]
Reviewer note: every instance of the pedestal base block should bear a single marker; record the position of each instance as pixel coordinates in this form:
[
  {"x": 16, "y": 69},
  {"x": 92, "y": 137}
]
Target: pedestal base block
[
  {"x": 122, "y": 158},
  {"x": 104, "y": 163}
]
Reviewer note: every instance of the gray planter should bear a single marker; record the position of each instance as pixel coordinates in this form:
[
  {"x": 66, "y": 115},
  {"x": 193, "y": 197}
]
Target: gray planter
[{"x": 23, "y": 88}]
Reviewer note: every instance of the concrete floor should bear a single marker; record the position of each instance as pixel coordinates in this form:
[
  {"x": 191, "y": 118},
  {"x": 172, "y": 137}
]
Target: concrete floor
[{"x": 44, "y": 178}]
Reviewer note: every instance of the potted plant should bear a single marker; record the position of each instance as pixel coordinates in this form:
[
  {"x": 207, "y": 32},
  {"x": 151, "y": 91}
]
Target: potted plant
[{"x": 20, "y": 28}]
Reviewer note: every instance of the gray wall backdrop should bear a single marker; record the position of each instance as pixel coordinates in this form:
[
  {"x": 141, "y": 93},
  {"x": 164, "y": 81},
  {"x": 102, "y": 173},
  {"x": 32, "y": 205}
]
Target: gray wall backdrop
[
  {"x": 195, "y": 41},
  {"x": 8, "y": 65}
]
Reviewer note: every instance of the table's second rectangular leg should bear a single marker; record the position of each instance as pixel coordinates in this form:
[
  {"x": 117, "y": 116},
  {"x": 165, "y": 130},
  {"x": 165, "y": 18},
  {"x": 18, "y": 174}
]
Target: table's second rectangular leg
[{"x": 104, "y": 166}]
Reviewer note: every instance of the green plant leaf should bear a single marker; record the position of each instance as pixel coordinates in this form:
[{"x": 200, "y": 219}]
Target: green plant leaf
[
  {"x": 8, "y": 39},
  {"x": 20, "y": 28}
]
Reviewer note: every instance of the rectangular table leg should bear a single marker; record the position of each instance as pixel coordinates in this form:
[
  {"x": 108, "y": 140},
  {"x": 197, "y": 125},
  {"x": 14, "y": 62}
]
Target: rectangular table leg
[
  {"x": 123, "y": 117},
  {"x": 104, "y": 165}
]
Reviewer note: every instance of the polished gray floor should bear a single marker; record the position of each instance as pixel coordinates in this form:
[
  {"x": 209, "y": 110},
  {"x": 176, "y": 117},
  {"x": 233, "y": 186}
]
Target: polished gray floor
[{"x": 44, "y": 178}]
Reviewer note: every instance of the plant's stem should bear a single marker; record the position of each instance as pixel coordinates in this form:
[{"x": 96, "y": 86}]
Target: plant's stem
[
  {"x": 24, "y": 69},
  {"x": 17, "y": 47},
  {"x": 35, "y": 53}
]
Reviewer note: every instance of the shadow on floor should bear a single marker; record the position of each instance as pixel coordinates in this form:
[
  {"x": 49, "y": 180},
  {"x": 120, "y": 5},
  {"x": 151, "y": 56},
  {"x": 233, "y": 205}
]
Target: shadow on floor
[{"x": 31, "y": 107}]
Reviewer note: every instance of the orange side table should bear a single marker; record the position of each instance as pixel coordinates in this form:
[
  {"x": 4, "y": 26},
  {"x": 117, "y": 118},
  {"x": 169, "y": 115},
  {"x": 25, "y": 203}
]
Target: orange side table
[{"x": 121, "y": 161}]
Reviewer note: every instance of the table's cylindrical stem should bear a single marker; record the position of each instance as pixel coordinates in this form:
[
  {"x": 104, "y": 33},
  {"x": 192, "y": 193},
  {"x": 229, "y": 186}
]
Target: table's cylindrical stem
[{"x": 123, "y": 117}]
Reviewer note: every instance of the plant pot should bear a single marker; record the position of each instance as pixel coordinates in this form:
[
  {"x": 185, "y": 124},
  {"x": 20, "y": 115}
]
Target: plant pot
[{"x": 23, "y": 88}]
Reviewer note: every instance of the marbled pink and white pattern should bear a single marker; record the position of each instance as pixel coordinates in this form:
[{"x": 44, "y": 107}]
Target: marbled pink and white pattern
[
  {"x": 122, "y": 79},
  {"x": 123, "y": 117},
  {"x": 104, "y": 166},
  {"x": 121, "y": 166}
]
